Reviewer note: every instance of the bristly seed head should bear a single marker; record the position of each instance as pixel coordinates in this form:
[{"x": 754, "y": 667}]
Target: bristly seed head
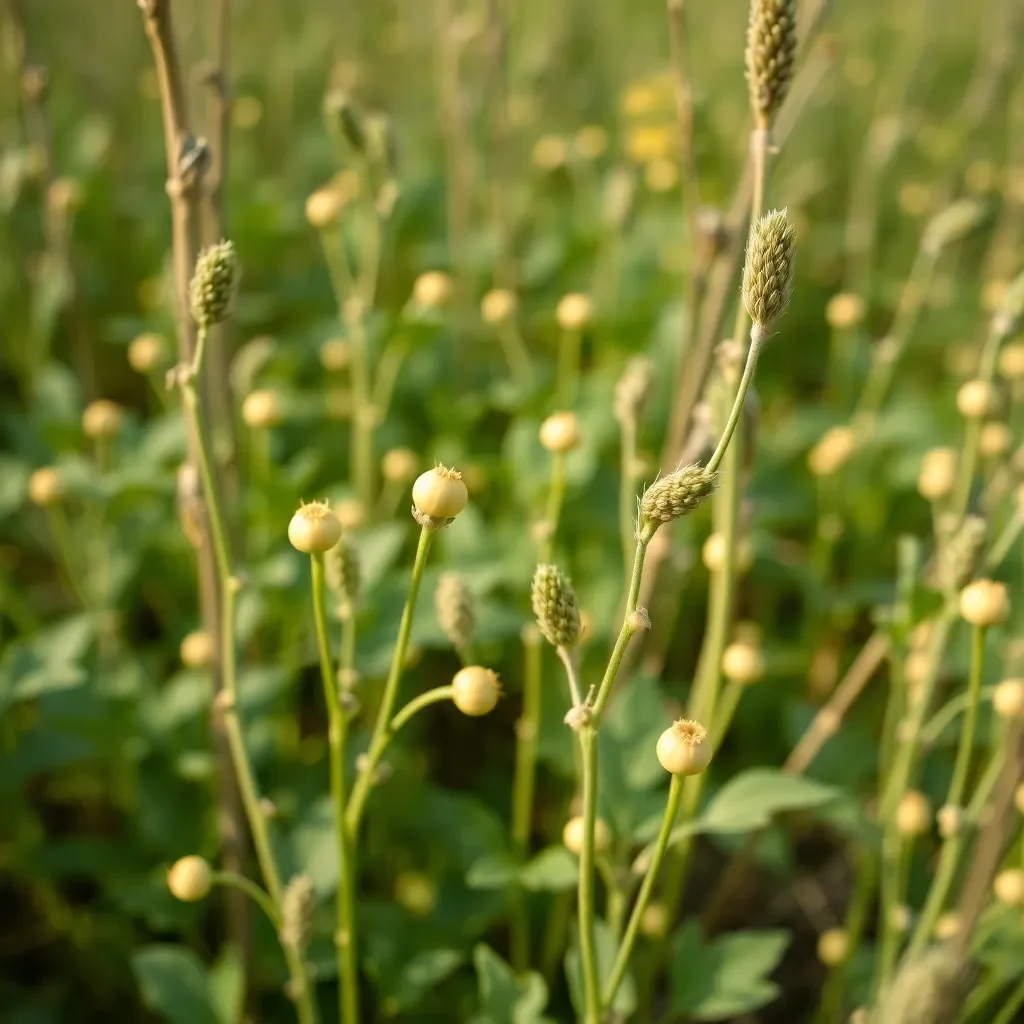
[
  {"x": 454, "y": 609},
  {"x": 770, "y": 55},
  {"x": 297, "y": 905},
  {"x": 555, "y": 606},
  {"x": 342, "y": 571},
  {"x": 213, "y": 285},
  {"x": 673, "y": 496},
  {"x": 768, "y": 271}
]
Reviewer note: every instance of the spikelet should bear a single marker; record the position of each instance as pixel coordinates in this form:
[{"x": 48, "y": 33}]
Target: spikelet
[
  {"x": 771, "y": 52},
  {"x": 632, "y": 389},
  {"x": 768, "y": 271},
  {"x": 297, "y": 906},
  {"x": 926, "y": 990},
  {"x": 341, "y": 567},
  {"x": 212, "y": 289},
  {"x": 454, "y": 609},
  {"x": 673, "y": 496},
  {"x": 958, "y": 556},
  {"x": 555, "y": 606}
]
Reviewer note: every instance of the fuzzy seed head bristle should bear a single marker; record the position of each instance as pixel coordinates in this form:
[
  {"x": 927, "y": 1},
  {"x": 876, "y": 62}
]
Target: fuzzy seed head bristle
[
  {"x": 213, "y": 285},
  {"x": 689, "y": 731},
  {"x": 297, "y": 905},
  {"x": 770, "y": 55},
  {"x": 675, "y": 495},
  {"x": 342, "y": 570},
  {"x": 454, "y": 609},
  {"x": 555, "y": 606},
  {"x": 768, "y": 271},
  {"x": 926, "y": 989}
]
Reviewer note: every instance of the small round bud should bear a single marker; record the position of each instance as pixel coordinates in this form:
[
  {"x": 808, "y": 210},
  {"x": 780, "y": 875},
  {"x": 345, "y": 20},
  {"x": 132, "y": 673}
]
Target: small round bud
[
  {"x": 833, "y": 451},
  {"x": 560, "y": 432},
  {"x": 335, "y": 355},
  {"x": 833, "y": 947},
  {"x": 196, "y": 650},
  {"x": 432, "y": 290},
  {"x": 975, "y": 399},
  {"x": 713, "y": 554},
  {"x": 323, "y": 207},
  {"x": 190, "y": 879},
  {"x": 899, "y": 918},
  {"x": 351, "y": 514},
  {"x": 64, "y": 196},
  {"x": 574, "y": 312},
  {"x": 498, "y": 306},
  {"x": 314, "y": 529},
  {"x": 475, "y": 690},
  {"x": 555, "y": 606},
  {"x": 416, "y": 892},
  {"x": 673, "y": 496},
  {"x": 1008, "y": 699},
  {"x": 937, "y": 476},
  {"x": 913, "y": 814},
  {"x": 46, "y": 487},
  {"x": 843, "y": 311},
  {"x": 572, "y": 835},
  {"x": 399, "y": 465},
  {"x": 454, "y": 607},
  {"x": 102, "y": 420},
  {"x": 661, "y": 174},
  {"x": 262, "y": 409},
  {"x": 213, "y": 285},
  {"x": 743, "y": 662},
  {"x": 1011, "y": 361},
  {"x": 948, "y": 925},
  {"x": 995, "y": 440},
  {"x": 1008, "y": 887},
  {"x": 297, "y": 905},
  {"x": 950, "y": 820},
  {"x": 654, "y": 921},
  {"x": 984, "y": 603},
  {"x": 147, "y": 353},
  {"x": 768, "y": 271},
  {"x": 440, "y": 493},
  {"x": 684, "y": 748},
  {"x": 550, "y": 152}
]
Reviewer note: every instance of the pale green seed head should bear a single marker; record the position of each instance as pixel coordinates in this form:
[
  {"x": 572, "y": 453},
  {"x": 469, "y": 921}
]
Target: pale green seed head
[
  {"x": 768, "y": 271},
  {"x": 770, "y": 55},
  {"x": 212, "y": 289},
  {"x": 555, "y": 606}
]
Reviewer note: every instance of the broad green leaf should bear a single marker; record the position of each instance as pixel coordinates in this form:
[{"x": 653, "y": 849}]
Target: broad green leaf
[
  {"x": 552, "y": 870},
  {"x": 227, "y": 986},
  {"x": 13, "y": 484},
  {"x": 419, "y": 975},
  {"x": 606, "y": 948},
  {"x": 506, "y": 998},
  {"x": 727, "y": 978},
  {"x": 173, "y": 984},
  {"x": 493, "y": 871}
]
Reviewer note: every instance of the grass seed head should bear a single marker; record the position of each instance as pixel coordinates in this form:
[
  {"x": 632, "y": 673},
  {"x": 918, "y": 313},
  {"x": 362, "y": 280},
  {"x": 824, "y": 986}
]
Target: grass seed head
[
  {"x": 770, "y": 55},
  {"x": 297, "y": 905},
  {"x": 555, "y": 606},
  {"x": 213, "y": 285},
  {"x": 768, "y": 271},
  {"x": 454, "y": 609},
  {"x": 342, "y": 570},
  {"x": 674, "y": 496}
]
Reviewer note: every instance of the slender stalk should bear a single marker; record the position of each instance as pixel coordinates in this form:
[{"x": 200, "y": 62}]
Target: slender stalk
[
  {"x": 627, "y": 486},
  {"x": 553, "y": 513},
  {"x": 1008, "y": 1013},
  {"x": 381, "y": 735},
  {"x": 736, "y": 412},
  {"x": 675, "y": 792},
  {"x": 516, "y": 353},
  {"x": 424, "y": 700},
  {"x": 337, "y": 734},
  {"x": 1005, "y": 541},
  {"x": 567, "y": 386},
  {"x": 896, "y": 851},
  {"x": 585, "y": 894},
  {"x": 60, "y": 529},
  {"x": 259, "y": 896}
]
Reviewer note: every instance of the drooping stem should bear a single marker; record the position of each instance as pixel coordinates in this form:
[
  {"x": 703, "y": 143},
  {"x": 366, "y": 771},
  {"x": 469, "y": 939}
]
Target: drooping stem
[
  {"x": 259, "y": 896},
  {"x": 553, "y": 513},
  {"x": 756, "y": 338},
  {"x": 585, "y": 893},
  {"x": 417, "y": 704}
]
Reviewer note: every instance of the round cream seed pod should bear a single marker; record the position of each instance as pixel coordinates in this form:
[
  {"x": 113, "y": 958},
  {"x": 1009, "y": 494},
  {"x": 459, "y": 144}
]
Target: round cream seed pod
[
  {"x": 432, "y": 289},
  {"x": 948, "y": 925},
  {"x": 147, "y": 354},
  {"x": 844, "y": 310},
  {"x": 684, "y": 748},
  {"x": 102, "y": 420},
  {"x": 314, "y": 529},
  {"x": 475, "y": 690},
  {"x": 550, "y": 152},
  {"x": 937, "y": 476},
  {"x": 975, "y": 399},
  {"x": 190, "y": 879},
  {"x": 743, "y": 662},
  {"x": 574, "y": 311},
  {"x": 196, "y": 649},
  {"x": 913, "y": 814},
  {"x": 323, "y": 207},
  {"x": 560, "y": 432},
  {"x": 335, "y": 355},
  {"x": 713, "y": 554},
  {"x": 899, "y": 918},
  {"x": 833, "y": 451},
  {"x": 572, "y": 835},
  {"x": 654, "y": 921},
  {"x": 950, "y": 820},
  {"x": 1011, "y": 361},
  {"x": 498, "y": 306},
  {"x": 833, "y": 947},
  {"x": 1008, "y": 699},
  {"x": 351, "y": 514},
  {"x": 46, "y": 487},
  {"x": 1008, "y": 887},
  {"x": 440, "y": 493},
  {"x": 995, "y": 440},
  {"x": 399, "y": 465},
  {"x": 262, "y": 409},
  {"x": 984, "y": 603},
  {"x": 416, "y": 892}
]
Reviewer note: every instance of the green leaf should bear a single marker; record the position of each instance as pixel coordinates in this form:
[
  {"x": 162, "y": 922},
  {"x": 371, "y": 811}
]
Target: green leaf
[
  {"x": 552, "y": 870},
  {"x": 493, "y": 871},
  {"x": 227, "y": 986},
  {"x": 173, "y": 984},
  {"x": 727, "y": 978},
  {"x": 606, "y": 948},
  {"x": 419, "y": 975},
  {"x": 13, "y": 484},
  {"x": 504, "y": 997}
]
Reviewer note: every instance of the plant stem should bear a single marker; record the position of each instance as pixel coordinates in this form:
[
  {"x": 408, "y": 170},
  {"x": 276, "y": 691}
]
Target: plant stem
[
  {"x": 381, "y": 733},
  {"x": 553, "y": 513},
  {"x": 567, "y": 385},
  {"x": 675, "y": 792},
  {"x": 424, "y": 700},
  {"x": 259, "y": 896},
  {"x": 1005, "y": 541},
  {"x": 627, "y": 486},
  {"x": 588, "y": 951},
  {"x": 337, "y": 734},
  {"x": 756, "y": 337}
]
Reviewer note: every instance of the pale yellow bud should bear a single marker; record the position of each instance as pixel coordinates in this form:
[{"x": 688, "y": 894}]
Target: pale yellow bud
[
  {"x": 844, "y": 310},
  {"x": 335, "y": 354},
  {"x": 713, "y": 554},
  {"x": 550, "y": 152},
  {"x": 102, "y": 420},
  {"x": 433, "y": 289},
  {"x": 995, "y": 440},
  {"x": 743, "y": 662},
  {"x": 833, "y": 947},
  {"x": 196, "y": 650},
  {"x": 655, "y": 920},
  {"x": 46, "y": 487},
  {"x": 560, "y": 432},
  {"x": 498, "y": 306},
  {"x": 913, "y": 814},
  {"x": 950, "y": 820},
  {"x": 262, "y": 408},
  {"x": 833, "y": 451},
  {"x": 475, "y": 690},
  {"x": 574, "y": 311},
  {"x": 400, "y": 465},
  {"x": 1008, "y": 887},
  {"x": 984, "y": 603},
  {"x": 323, "y": 207},
  {"x": 572, "y": 835},
  {"x": 1008, "y": 699},
  {"x": 684, "y": 748},
  {"x": 314, "y": 529},
  {"x": 351, "y": 514},
  {"x": 1011, "y": 361},
  {"x": 440, "y": 493},
  {"x": 591, "y": 142},
  {"x": 416, "y": 892},
  {"x": 937, "y": 476},
  {"x": 975, "y": 399},
  {"x": 147, "y": 353},
  {"x": 948, "y": 925},
  {"x": 190, "y": 879}
]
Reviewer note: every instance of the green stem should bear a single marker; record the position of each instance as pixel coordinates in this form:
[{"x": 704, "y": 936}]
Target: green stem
[
  {"x": 1005, "y": 541},
  {"x": 259, "y": 896},
  {"x": 567, "y": 385},
  {"x": 337, "y": 734},
  {"x": 1008, "y": 1014},
  {"x": 61, "y": 531},
  {"x": 896, "y": 851},
  {"x": 424, "y": 700},
  {"x": 588, "y": 949},
  {"x": 675, "y": 792},
  {"x": 756, "y": 338},
  {"x": 381, "y": 733},
  {"x": 556, "y": 496},
  {"x": 515, "y": 350},
  {"x": 627, "y": 487}
]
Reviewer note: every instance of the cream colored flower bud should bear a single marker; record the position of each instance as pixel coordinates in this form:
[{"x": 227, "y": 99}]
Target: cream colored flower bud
[
  {"x": 1008, "y": 887},
  {"x": 323, "y": 207},
  {"x": 298, "y": 903},
  {"x": 262, "y": 408},
  {"x": 416, "y": 892},
  {"x": 899, "y": 918},
  {"x": 64, "y": 196},
  {"x": 674, "y": 496},
  {"x": 948, "y": 925},
  {"x": 1011, "y": 361},
  {"x": 433, "y": 289},
  {"x": 498, "y": 306},
  {"x": 684, "y": 748},
  {"x": 995, "y": 440},
  {"x": 950, "y": 820},
  {"x": 937, "y": 476},
  {"x": 833, "y": 947},
  {"x": 833, "y": 451},
  {"x": 975, "y": 399},
  {"x": 844, "y": 310},
  {"x": 400, "y": 465},
  {"x": 46, "y": 487},
  {"x": 147, "y": 353},
  {"x": 190, "y": 879},
  {"x": 984, "y": 603},
  {"x": 550, "y": 152},
  {"x": 102, "y": 420},
  {"x": 572, "y": 835},
  {"x": 661, "y": 174},
  {"x": 1008, "y": 699},
  {"x": 654, "y": 921},
  {"x": 196, "y": 650},
  {"x": 560, "y": 432},
  {"x": 314, "y": 529},
  {"x": 574, "y": 312},
  {"x": 475, "y": 690},
  {"x": 440, "y": 493},
  {"x": 335, "y": 355},
  {"x": 713, "y": 554},
  {"x": 743, "y": 662},
  {"x": 913, "y": 814}
]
